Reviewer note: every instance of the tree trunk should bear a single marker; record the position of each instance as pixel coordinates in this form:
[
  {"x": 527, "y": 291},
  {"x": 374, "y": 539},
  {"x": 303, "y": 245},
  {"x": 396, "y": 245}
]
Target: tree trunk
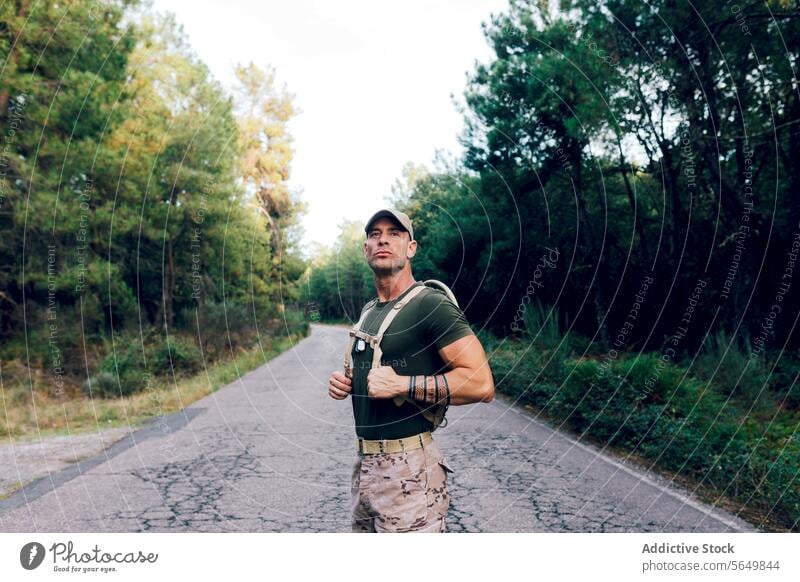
[
  {"x": 590, "y": 241},
  {"x": 639, "y": 222}
]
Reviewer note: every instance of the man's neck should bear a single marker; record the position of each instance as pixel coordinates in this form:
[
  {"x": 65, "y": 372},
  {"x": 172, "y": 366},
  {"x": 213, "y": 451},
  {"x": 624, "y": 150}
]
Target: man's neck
[{"x": 392, "y": 286}]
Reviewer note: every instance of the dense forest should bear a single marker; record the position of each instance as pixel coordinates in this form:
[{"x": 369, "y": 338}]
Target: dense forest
[
  {"x": 622, "y": 231},
  {"x": 619, "y": 153},
  {"x": 147, "y": 222}
]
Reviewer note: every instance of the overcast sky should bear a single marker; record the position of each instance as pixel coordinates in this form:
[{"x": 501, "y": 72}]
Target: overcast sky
[{"x": 373, "y": 80}]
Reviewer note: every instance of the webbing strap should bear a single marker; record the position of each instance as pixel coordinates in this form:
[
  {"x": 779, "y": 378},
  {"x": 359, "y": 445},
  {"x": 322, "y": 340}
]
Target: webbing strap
[
  {"x": 378, "y": 352},
  {"x": 348, "y": 364},
  {"x": 434, "y": 413},
  {"x": 387, "y": 321}
]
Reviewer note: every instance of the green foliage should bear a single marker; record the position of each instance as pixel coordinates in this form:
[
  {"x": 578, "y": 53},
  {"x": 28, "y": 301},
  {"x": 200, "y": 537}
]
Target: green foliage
[
  {"x": 776, "y": 473},
  {"x": 541, "y": 324},
  {"x": 339, "y": 281},
  {"x": 107, "y": 385},
  {"x": 127, "y": 177},
  {"x": 650, "y": 406},
  {"x": 596, "y": 400},
  {"x": 295, "y": 322},
  {"x": 591, "y": 166},
  {"x": 785, "y": 380},
  {"x": 584, "y": 134},
  {"x": 177, "y": 356},
  {"x": 732, "y": 372},
  {"x": 122, "y": 373},
  {"x": 220, "y": 326},
  {"x": 488, "y": 340},
  {"x": 523, "y": 370}
]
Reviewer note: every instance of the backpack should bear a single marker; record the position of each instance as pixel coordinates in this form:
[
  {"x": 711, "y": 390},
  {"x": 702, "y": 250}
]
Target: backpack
[{"x": 434, "y": 413}]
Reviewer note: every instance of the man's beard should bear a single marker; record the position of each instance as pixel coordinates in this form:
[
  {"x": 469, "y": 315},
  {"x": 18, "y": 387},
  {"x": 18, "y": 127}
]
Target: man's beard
[{"x": 382, "y": 270}]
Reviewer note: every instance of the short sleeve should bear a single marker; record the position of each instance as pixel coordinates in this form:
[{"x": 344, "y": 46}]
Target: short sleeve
[{"x": 444, "y": 321}]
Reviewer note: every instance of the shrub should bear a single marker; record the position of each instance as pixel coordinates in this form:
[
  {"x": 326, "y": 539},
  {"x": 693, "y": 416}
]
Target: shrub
[
  {"x": 295, "y": 322},
  {"x": 219, "y": 326},
  {"x": 177, "y": 356},
  {"x": 685, "y": 424},
  {"x": 778, "y": 488},
  {"x": 110, "y": 385},
  {"x": 103, "y": 385},
  {"x": 541, "y": 324},
  {"x": 785, "y": 381},
  {"x": 488, "y": 340},
  {"x": 121, "y": 374},
  {"x": 599, "y": 397},
  {"x": 516, "y": 370},
  {"x": 732, "y": 371}
]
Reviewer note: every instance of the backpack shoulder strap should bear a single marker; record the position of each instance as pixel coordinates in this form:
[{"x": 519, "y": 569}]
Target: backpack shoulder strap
[
  {"x": 435, "y": 283},
  {"x": 354, "y": 332},
  {"x": 387, "y": 321},
  {"x": 375, "y": 340},
  {"x": 435, "y": 414}
]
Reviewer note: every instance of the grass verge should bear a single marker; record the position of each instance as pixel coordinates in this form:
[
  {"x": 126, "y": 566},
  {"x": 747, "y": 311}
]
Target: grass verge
[
  {"x": 28, "y": 411},
  {"x": 689, "y": 429}
]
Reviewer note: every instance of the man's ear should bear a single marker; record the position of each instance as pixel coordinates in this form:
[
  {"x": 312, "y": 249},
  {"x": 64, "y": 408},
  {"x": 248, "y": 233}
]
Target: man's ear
[{"x": 412, "y": 249}]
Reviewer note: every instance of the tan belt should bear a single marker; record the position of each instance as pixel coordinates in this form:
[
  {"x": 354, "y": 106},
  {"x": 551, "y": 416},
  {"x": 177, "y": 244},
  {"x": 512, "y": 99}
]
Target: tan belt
[{"x": 416, "y": 441}]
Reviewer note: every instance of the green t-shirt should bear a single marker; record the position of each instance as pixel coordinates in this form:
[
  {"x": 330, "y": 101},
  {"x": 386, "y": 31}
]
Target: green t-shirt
[{"x": 410, "y": 345}]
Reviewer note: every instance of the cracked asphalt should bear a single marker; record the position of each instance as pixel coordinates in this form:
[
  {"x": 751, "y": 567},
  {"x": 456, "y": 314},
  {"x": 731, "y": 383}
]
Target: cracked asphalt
[{"x": 272, "y": 452}]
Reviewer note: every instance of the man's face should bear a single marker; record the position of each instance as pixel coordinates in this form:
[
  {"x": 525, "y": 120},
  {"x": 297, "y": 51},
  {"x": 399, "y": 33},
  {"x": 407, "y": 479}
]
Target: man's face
[{"x": 388, "y": 247}]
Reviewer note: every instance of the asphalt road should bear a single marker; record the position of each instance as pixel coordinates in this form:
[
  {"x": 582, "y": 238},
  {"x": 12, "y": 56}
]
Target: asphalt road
[{"x": 272, "y": 452}]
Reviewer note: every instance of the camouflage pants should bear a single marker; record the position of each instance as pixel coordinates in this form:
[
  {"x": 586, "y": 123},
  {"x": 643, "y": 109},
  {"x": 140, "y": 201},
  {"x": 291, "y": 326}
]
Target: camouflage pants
[{"x": 400, "y": 492}]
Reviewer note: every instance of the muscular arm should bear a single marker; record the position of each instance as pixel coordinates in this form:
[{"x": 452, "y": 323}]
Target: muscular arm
[{"x": 469, "y": 378}]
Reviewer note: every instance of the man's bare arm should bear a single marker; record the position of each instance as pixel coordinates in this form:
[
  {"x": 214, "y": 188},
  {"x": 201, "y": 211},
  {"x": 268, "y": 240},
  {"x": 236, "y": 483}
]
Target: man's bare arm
[
  {"x": 468, "y": 380},
  {"x": 470, "y": 377}
]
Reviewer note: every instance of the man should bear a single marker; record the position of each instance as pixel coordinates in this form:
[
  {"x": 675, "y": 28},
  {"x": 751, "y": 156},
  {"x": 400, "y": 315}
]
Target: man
[{"x": 430, "y": 356}]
